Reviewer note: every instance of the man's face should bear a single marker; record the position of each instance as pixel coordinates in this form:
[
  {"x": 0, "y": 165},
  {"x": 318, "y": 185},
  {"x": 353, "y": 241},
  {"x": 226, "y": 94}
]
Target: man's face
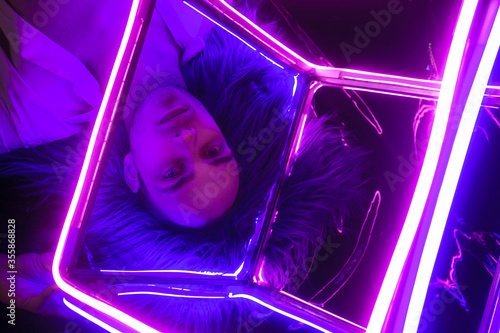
[{"x": 179, "y": 160}]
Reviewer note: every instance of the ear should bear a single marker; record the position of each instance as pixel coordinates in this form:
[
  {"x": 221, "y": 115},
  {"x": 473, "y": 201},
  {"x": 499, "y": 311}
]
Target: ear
[{"x": 130, "y": 173}]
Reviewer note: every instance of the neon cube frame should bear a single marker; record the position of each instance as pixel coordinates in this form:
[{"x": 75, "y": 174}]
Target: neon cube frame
[{"x": 409, "y": 271}]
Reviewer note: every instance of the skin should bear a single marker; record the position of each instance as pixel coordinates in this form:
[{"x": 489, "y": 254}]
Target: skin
[{"x": 182, "y": 167}]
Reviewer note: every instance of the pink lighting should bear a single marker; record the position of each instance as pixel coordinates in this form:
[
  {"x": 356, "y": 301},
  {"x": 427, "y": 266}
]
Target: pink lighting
[
  {"x": 450, "y": 181},
  {"x": 90, "y": 317},
  {"x": 159, "y": 272},
  {"x": 428, "y": 168},
  {"x": 166, "y": 294},
  {"x": 289, "y": 315},
  {"x": 215, "y": 22},
  {"x": 56, "y": 266},
  {"x": 318, "y": 76},
  {"x": 301, "y": 132}
]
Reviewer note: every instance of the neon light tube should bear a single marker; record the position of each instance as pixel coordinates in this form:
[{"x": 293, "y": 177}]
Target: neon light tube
[
  {"x": 89, "y": 317},
  {"x": 301, "y": 132},
  {"x": 78, "y": 294},
  {"x": 165, "y": 294},
  {"x": 428, "y": 168},
  {"x": 217, "y": 23},
  {"x": 206, "y": 273},
  {"x": 451, "y": 177},
  {"x": 286, "y": 314}
]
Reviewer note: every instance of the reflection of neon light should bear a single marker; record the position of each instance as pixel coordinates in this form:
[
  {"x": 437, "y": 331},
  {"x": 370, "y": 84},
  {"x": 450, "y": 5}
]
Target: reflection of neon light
[
  {"x": 174, "y": 271},
  {"x": 220, "y": 25},
  {"x": 294, "y": 85},
  {"x": 391, "y": 93},
  {"x": 452, "y": 174},
  {"x": 78, "y": 294},
  {"x": 320, "y": 309},
  {"x": 90, "y": 317},
  {"x": 428, "y": 169},
  {"x": 165, "y": 294},
  {"x": 355, "y": 258},
  {"x": 261, "y": 279},
  {"x": 256, "y": 300},
  {"x": 272, "y": 61},
  {"x": 239, "y": 269},
  {"x": 399, "y": 84},
  {"x": 493, "y": 117},
  {"x": 165, "y": 271},
  {"x": 300, "y": 135},
  {"x": 370, "y": 117}
]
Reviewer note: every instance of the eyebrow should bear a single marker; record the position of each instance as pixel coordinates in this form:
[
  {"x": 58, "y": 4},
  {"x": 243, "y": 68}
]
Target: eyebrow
[{"x": 221, "y": 160}]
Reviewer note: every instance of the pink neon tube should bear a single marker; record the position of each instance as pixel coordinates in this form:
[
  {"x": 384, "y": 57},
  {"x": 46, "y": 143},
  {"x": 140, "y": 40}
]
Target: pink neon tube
[
  {"x": 428, "y": 168},
  {"x": 78, "y": 294},
  {"x": 450, "y": 181}
]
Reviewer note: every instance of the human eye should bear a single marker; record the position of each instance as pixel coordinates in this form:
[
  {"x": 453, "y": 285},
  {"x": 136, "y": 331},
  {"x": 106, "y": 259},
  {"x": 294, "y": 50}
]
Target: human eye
[
  {"x": 214, "y": 150},
  {"x": 173, "y": 173}
]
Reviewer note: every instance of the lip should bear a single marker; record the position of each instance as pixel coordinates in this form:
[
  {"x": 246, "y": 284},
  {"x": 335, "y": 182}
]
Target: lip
[{"x": 172, "y": 113}]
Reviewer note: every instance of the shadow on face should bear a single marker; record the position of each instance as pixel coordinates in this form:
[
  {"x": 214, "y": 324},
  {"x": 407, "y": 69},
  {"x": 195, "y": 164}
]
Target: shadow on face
[{"x": 179, "y": 161}]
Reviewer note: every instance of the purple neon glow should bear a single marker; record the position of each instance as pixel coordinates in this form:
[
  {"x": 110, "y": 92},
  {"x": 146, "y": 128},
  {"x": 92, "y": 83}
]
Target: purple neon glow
[
  {"x": 166, "y": 294},
  {"x": 286, "y": 314},
  {"x": 301, "y": 132},
  {"x": 61, "y": 283},
  {"x": 352, "y": 74},
  {"x": 450, "y": 180},
  {"x": 320, "y": 309},
  {"x": 215, "y": 22},
  {"x": 271, "y": 60},
  {"x": 493, "y": 117},
  {"x": 428, "y": 168},
  {"x": 391, "y": 93},
  {"x": 395, "y": 82},
  {"x": 174, "y": 271},
  {"x": 294, "y": 84},
  {"x": 90, "y": 317},
  {"x": 77, "y": 293}
]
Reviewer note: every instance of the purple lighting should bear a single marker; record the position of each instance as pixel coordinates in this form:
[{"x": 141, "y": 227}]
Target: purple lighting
[
  {"x": 318, "y": 76},
  {"x": 90, "y": 317},
  {"x": 450, "y": 181},
  {"x": 428, "y": 168},
  {"x": 56, "y": 266}
]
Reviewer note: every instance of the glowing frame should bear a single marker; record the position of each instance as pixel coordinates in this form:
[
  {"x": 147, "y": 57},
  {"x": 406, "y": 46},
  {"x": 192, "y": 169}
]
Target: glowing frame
[
  {"x": 429, "y": 166},
  {"x": 352, "y": 79},
  {"x": 60, "y": 281},
  {"x": 450, "y": 181}
]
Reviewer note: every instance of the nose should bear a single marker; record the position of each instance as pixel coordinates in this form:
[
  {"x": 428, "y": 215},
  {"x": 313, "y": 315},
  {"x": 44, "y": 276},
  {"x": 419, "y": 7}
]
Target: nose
[{"x": 186, "y": 136}]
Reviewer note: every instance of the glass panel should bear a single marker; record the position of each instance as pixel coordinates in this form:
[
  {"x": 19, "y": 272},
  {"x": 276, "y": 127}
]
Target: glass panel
[{"x": 345, "y": 202}]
